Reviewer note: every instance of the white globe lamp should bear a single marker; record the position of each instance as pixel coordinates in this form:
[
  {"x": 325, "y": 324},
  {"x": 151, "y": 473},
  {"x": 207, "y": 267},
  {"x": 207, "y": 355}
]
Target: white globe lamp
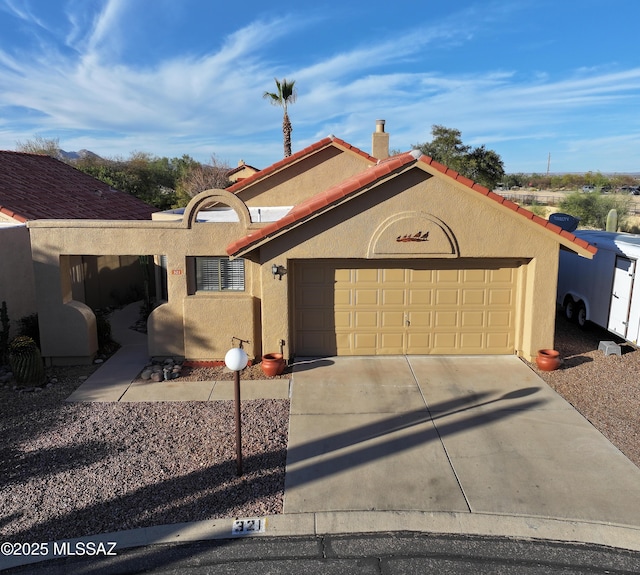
[{"x": 236, "y": 359}]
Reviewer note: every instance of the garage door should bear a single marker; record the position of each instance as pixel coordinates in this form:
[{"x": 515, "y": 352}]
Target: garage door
[{"x": 344, "y": 307}]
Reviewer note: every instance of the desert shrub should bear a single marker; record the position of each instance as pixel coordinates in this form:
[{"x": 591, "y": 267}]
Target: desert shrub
[{"x": 592, "y": 208}]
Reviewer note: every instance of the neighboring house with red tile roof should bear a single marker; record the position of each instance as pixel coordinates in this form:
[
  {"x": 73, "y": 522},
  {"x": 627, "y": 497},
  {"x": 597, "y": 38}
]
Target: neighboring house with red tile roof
[
  {"x": 35, "y": 187},
  {"x": 331, "y": 252}
]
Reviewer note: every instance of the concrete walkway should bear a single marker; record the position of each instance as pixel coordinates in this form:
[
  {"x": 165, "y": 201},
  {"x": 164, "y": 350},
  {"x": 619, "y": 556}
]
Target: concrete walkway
[{"x": 113, "y": 381}]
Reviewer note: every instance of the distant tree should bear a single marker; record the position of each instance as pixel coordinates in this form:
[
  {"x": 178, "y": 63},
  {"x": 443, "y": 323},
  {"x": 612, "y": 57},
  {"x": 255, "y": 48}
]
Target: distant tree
[
  {"x": 592, "y": 208},
  {"x": 285, "y": 95},
  {"x": 40, "y": 145},
  {"x": 147, "y": 177},
  {"x": 199, "y": 177},
  {"x": 479, "y": 164}
]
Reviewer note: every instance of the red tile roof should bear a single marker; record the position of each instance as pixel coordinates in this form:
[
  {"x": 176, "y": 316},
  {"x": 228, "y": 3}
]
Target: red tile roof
[
  {"x": 290, "y": 160},
  {"x": 358, "y": 183},
  {"x": 34, "y": 186}
]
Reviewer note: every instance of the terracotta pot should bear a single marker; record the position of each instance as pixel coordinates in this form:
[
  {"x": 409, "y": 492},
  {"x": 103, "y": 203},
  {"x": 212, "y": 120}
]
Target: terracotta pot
[
  {"x": 548, "y": 359},
  {"x": 273, "y": 364}
]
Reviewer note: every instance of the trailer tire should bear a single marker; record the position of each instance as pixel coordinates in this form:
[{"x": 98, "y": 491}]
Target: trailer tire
[
  {"x": 581, "y": 315},
  {"x": 570, "y": 309}
]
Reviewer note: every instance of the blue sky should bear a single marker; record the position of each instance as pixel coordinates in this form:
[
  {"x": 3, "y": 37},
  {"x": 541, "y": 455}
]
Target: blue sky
[{"x": 526, "y": 78}]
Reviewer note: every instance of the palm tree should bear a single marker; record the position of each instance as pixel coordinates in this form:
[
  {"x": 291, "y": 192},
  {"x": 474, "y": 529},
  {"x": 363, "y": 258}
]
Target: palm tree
[{"x": 285, "y": 95}]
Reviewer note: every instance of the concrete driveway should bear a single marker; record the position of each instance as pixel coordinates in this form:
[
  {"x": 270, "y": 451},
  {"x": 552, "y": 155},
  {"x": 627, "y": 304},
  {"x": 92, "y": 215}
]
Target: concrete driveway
[{"x": 476, "y": 434}]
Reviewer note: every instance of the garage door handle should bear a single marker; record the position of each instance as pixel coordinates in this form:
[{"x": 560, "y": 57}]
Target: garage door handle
[{"x": 407, "y": 322}]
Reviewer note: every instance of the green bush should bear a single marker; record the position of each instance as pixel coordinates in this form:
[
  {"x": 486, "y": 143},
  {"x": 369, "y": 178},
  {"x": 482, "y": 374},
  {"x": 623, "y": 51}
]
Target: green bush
[{"x": 592, "y": 208}]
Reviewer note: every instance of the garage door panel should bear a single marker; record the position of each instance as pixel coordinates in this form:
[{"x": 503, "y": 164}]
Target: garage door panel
[
  {"x": 471, "y": 319},
  {"x": 448, "y": 276},
  {"x": 366, "y": 296},
  {"x": 445, "y": 342},
  {"x": 419, "y": 319},
  {"x": 364, "y": 308},
  {"x": 477, "y": 276},
  {"x": 397, "y": 276},
  {"x": 473, "y": 297},
  {"x": 392, "y": 319},
  {"x": 471, "y": 341},
  {"x": 343, "y": 297},
  {"x": 365, "y": 319},
  {"x": 391, "y": 343},
  {"x": 447, "y": 297},
  {"x": 500, "y": 297},
  {"x": 420, "y": 297},
  {"x": 393, "y": 297},
  {"x": 445, "y": 319},
  {"x": 367, "y": 275},
  {"x": 502, "y": 319}
]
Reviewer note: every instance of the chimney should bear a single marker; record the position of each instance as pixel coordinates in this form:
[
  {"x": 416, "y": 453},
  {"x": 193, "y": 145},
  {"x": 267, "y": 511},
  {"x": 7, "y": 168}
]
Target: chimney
[{"x": 380, "y": 142}]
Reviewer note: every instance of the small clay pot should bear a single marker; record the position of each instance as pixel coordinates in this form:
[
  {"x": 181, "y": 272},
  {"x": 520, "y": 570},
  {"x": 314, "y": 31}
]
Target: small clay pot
[
  {"x": 272, "y": 364},
  {"x": 548, "y": 359}
]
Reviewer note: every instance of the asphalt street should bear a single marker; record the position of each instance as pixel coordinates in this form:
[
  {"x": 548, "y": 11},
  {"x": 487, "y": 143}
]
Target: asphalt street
[{"x": 357, "y": 554}]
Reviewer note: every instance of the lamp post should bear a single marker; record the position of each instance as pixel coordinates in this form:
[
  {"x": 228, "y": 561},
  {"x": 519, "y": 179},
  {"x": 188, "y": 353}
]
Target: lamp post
[{"x": 236, "y": 359}]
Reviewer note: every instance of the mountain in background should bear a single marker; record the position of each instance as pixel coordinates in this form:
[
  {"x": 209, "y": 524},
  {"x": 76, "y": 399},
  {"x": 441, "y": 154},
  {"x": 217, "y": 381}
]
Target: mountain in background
[{"x": 79, "y": 155}]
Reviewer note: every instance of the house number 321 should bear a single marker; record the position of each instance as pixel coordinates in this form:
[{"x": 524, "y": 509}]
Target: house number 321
[{"x": 248, "y": 526}]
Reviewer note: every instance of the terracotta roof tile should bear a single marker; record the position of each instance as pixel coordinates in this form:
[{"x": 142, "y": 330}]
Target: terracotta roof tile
[
  {"x": 318, "y": 202},
  {"x": 34, "y": 186},
  {"x": 279, "y": 165},
  {"x": 359, "y": 182}
]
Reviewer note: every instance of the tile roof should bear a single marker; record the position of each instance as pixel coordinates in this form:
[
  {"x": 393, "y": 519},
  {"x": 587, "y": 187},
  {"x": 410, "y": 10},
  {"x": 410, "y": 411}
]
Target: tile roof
[
  {"x": 290, "y": 160},
  {"x": 358, "y": 183},
  {"x": 34, "y": 186}
]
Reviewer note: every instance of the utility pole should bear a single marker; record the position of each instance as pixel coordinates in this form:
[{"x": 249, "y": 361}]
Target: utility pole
[{"x": 548, "y": 163}]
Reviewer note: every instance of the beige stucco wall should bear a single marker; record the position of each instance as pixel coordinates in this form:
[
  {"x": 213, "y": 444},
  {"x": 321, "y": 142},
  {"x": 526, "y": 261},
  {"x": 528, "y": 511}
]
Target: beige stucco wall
[
  {"x": 68, "y": 326},
  {"x": 201, "y": 325},
  {"x": 16, "y": 274},
  {"x": 309, "y": 176},
  {"x": 482, "y": 228}
]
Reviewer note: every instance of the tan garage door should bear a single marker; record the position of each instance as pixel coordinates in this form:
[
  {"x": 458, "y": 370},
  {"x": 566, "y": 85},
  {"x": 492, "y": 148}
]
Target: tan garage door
[{"x": 379, "y": 308}]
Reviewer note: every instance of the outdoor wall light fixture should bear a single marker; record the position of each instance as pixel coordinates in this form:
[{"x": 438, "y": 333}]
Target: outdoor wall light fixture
[
  {"x": 236, "y": 360},
  {"x": 279, "y": 271}
]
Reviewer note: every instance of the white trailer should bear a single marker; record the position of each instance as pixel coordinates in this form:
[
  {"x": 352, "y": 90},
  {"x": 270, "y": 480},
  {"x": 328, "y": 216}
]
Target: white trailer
[{"x": 603, "y": 290}]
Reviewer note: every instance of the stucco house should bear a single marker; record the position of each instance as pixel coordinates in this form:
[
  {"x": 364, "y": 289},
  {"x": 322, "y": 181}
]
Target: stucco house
[
  {"x": 34, "y": 186},
  {"x": 330, "y": 251}
]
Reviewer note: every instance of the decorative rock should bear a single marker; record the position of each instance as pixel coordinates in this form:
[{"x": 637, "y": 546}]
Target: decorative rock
[
  {"x": 98, "y": 360},
  {"x": 83, "y": 378},
  {"x": 146, "y": 374},
  {"x": 156, "y": 376}
]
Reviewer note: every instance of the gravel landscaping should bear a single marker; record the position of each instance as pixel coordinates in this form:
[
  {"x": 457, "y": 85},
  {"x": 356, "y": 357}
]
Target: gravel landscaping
[
  {"x": 604, "y": 389},
  {"x": 74, "y": 469}
]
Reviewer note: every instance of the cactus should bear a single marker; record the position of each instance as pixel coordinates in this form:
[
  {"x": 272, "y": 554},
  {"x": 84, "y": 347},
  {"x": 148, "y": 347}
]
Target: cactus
[{"x": 25, "y": 361}]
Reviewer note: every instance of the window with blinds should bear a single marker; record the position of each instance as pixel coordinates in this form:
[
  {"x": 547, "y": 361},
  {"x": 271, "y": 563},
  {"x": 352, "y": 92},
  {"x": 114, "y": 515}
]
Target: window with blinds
[{"x": 219, "y": 274}]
